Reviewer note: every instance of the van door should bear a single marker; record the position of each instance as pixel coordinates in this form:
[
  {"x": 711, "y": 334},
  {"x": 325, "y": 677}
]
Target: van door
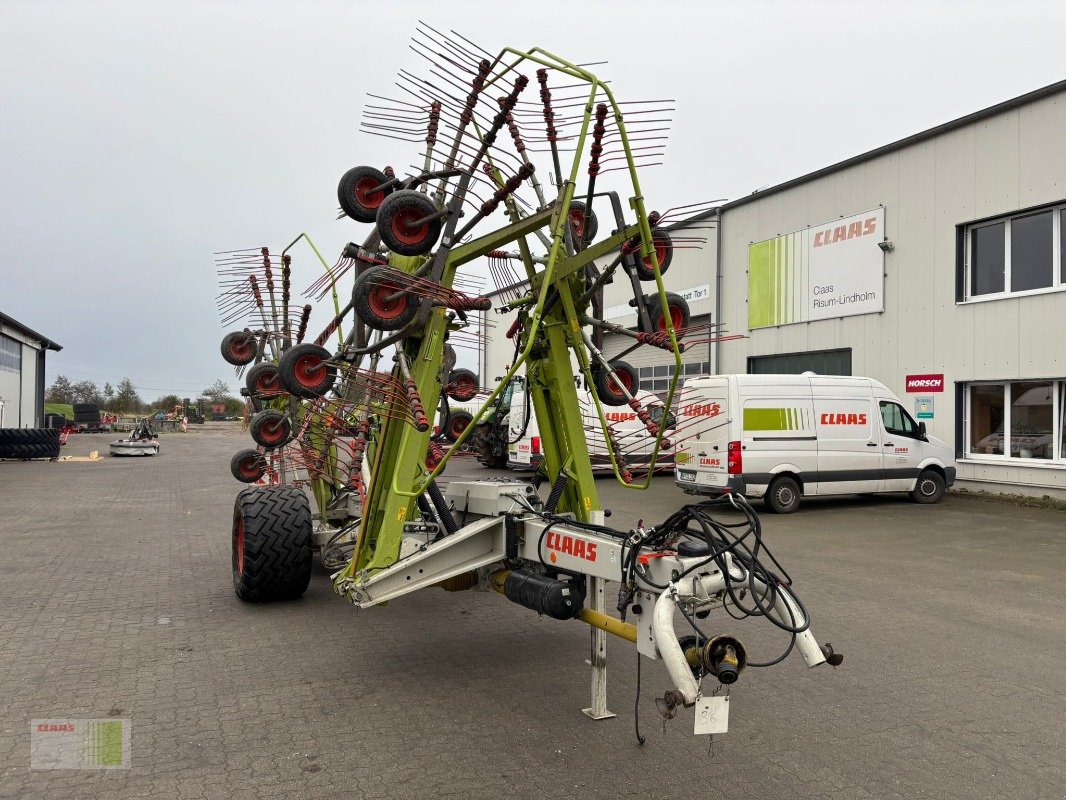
[
  {"x": 701, "y": 437},
  {"x": 900, "y": 446},
  {"x": 849, "y": 441},
  {"x": 778, "y": 435}
]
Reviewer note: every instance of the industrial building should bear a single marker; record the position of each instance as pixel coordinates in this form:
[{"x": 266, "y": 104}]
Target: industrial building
[
  {"x": 935, "y": 264},
  {"x": 22, "y": 352}
]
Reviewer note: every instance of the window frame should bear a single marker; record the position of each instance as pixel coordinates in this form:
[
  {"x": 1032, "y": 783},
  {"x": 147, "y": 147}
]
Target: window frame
[
  {"x": 1058, "y": 279},
  {"x": 1058, "y": 419}
]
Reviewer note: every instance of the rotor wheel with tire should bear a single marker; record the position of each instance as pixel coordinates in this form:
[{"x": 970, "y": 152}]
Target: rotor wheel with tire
[
  {"x": 360, "y": 194},
  {"x": 456, "y": 423},
  {"x": 380, "y": 301},
  {"x": 929, "y": 488},
  {"x": 678, "y": 309},
  {"x": 247, "y": 465},
  {"x": 607, "y": 386},
  {"x": 449, "y": 359},
  {"x": 404, "y": 223},
  {"x": 270, "y": 429},
  {"x": 664, "y": 253},
  {"x": 462, "y": 385},
  {"x": 239, "y": 348},
  {"x": 583, "y": 223},
  {"x": 305, "y": 370},
  {"x": 262, "y": 381},
  {"x": 783, "y": 496},
  {"x": 271, "y": 543}
]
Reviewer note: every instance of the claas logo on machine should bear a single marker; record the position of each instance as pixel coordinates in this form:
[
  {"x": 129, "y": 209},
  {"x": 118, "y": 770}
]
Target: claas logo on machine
[
  {"x": 701, "y": 410},
  {"x": 570, "y": 546},
  {"x": 843, "y": 419}
]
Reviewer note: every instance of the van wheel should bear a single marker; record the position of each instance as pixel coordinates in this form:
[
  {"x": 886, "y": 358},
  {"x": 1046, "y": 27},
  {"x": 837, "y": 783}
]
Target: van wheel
[
  {"x": 929, "y": 488},
  {"x": 783, "y": 496}
]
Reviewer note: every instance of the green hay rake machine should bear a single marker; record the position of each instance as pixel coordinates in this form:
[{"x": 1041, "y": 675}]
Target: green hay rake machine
[{"x": 348, "y": 425}]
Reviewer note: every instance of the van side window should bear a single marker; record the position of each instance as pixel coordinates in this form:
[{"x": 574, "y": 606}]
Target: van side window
[{"x": 898, "y": 421}]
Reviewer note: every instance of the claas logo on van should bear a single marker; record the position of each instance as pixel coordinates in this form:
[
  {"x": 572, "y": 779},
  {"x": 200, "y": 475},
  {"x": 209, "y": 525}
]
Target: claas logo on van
[
  {"x": 843, "y": 419},
  {"x": 710, "y": 462},
  {"x": 619, "y": 416},
  {"x": 701, "y": 410}
]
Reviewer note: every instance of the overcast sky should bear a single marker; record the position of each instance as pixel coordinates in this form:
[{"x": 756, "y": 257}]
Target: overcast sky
[{"x": 138, "y": 138}]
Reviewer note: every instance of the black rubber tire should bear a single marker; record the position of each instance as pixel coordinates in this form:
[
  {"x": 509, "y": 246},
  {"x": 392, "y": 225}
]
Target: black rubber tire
[
  {"x": 270, "y": 429},
  {"x": 239, "y": 348},
  {"x": 929, "y": 488},
  {"x": 679, "y": 313},
  {"x": 487, "y": 446},
  {"x": 783, "y": 495},
  {"x": 247, "y": 465},
  {"x": 263, "y": 380},
  {"x": 26, "y": 451},
  {"x": 29, "y": 443},
  {"x": 455, "y": 424},
  {"x": 298, "y": 374},
  {"x": 449, "y": 359},
  {"x": 606, "y": 388},
  {"x": 462, "y": 385},
  {"x": 28, "y": 436},
  {"x": 271, "y": 543},
  {"x": 356, "y": 193},
  {"x": 664, "y": 249},
  {"x": 369, "y": 296},
  {"x": 579, "y": 219},
  {"x": 401, "y": 208}
]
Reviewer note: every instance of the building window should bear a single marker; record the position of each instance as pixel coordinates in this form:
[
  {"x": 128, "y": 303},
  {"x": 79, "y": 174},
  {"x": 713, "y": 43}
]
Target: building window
[
  {"x": 10, "y": 355},
  {"x": 657, "y": 379},
  {"x": 1017, "y": 420},
  {"x": 1015, "y": 255},
  {"x": 823, "y": 362}
]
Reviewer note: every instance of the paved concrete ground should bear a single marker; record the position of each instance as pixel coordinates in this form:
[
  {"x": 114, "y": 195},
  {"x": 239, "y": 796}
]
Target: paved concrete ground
[{"x": 117, "y": 600}]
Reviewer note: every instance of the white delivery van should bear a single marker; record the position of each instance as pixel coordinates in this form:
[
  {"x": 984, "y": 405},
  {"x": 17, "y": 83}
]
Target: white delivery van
[
  {"x": 781, "y": 437},
  {"x": 631, "y": 438}
]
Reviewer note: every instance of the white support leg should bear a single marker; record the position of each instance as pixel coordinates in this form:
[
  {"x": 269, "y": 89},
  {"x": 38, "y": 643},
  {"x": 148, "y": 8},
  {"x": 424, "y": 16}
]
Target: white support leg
[{"x": 597, "y": 601}]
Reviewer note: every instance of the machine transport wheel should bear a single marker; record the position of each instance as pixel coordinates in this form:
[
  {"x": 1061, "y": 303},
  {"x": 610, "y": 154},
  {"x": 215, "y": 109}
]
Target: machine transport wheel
[
  {"x": 783, "y": 496},
  {"x": 583, "y": 224},
  {"x": 462, "y": 385},
  {"x": 381, "y": 303},
  {"x": 680, "y": 315},
  {"x": 359, "y": 194},
  {"x": 305, "y": 370},
  {"x": 456, "y": 423},
  {"x": 247, "y": 465},
  {"x": 270, "y": 428},
  {"x": 664, "y": 252},
  {"x": 488, "y": 446},
  {"x": 403, "y": 226},
  {"x": 262, "y": 380},
  {"x": 271, "y": 543},
  {"x": 929, "y": 488},
  {"x": 608, "y": 389},
  {"x": 239, "y": 348}
]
